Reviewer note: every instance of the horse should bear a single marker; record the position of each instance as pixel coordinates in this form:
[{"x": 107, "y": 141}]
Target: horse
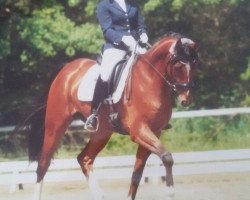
[{"x": 166, "y": 69}]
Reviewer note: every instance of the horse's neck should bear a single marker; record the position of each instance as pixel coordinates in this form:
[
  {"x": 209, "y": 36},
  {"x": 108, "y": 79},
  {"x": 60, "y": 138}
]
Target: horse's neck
[
  {"x": 159, "y": 51},
  {"x": 148, "y": 86},
  {"x": 149, "y": 76},
  {"x": 150, "y": 71},
  {"x": 154, "y": 62}
]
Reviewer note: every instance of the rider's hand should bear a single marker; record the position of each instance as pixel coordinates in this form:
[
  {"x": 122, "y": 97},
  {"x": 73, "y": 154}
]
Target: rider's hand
[
  {"x": 129, "y": 41},
  {"x": 141, "y": 50},
  {"x": 144, "y": 38}
]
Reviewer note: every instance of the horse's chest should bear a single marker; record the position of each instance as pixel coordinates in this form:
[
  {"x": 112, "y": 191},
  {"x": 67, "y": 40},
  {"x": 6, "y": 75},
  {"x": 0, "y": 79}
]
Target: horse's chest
[
  {"x": 156, "y": 113},
  {"x": 159, "y": 113}
]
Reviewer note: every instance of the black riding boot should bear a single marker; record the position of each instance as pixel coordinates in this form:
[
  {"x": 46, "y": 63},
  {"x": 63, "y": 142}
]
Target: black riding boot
[{"x": 100, "y": 94}]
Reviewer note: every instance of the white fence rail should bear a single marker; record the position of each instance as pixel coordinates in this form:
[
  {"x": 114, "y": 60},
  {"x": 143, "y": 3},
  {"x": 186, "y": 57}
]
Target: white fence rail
[
  {"x": 181, "y": 114},
  {"x": 21, "y": 172},
  {"x": 211, "y": 112},
  {"x": 121, "y": 167}
]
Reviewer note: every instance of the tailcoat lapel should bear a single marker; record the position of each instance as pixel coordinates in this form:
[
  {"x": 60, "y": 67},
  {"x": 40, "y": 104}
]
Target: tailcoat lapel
[
  {"x": 128, "y": 3},
  {"x": 114, "y": 4}
]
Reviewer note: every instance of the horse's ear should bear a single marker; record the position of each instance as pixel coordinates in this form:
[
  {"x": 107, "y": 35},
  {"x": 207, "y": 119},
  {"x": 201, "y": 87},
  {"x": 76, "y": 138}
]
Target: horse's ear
[
  {"x": 176, "y": 47},
  {"x": 195, "y": 46}
]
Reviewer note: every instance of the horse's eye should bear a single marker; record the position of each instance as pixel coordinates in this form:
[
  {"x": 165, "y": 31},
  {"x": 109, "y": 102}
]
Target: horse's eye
[{"x": 178, "y": 64}]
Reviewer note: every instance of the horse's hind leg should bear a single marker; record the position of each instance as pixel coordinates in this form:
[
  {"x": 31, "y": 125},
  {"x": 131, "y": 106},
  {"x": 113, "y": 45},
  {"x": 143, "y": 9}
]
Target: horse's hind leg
[
  {"x": 54, "y": 129},
  {"x": 87, "y": 156},
  {"x": 141, "y": 158}
]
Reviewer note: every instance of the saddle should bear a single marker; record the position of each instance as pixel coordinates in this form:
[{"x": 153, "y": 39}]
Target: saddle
[
  {"x": 113, "y": 83},
  {"x": 116, "y": 74},
  {"x": 116, "y": 85}
]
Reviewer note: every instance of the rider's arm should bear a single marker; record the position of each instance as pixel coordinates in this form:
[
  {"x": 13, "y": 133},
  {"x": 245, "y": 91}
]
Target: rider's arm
[
  {"x": 141, "y": 26},
  {"x": 105, "y": 22}
]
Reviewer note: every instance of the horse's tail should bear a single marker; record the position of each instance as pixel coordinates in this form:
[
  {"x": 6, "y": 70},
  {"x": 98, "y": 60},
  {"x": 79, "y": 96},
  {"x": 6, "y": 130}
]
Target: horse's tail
[
  {"x": 36, "y": 120},
  {"x": 36, "y": 134}
]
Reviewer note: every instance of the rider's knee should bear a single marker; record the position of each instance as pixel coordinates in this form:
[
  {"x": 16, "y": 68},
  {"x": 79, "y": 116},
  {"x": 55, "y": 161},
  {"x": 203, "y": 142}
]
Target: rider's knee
[{"x": 105, "y": 76}]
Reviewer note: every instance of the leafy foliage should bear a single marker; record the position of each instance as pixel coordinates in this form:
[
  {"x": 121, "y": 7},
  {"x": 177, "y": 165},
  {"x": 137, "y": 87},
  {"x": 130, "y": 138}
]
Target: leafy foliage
[
  {"x": 221, "y": 29},
  {"x": 49, "y": 31},
  {"x": 36, "y": 37}
]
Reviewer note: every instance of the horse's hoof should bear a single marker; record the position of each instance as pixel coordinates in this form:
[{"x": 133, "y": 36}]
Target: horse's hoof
[
  {"x": 97, "y": 194},
  {"x": 169, "y": 191},
  {"x": 98, "y": 197}
]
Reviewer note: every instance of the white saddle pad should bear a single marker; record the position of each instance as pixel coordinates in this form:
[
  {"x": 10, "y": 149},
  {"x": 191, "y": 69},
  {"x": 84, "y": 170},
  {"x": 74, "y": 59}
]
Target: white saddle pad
[
  {"x": 87, "y": 85},
  {"x": 88, "y": 82}
]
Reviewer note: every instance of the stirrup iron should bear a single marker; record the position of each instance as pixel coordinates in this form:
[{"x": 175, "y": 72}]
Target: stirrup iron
[{"x": 89, "y": 122}]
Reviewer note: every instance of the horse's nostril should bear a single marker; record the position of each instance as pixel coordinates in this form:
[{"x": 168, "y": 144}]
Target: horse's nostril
[{"x": 185, "y": 103}]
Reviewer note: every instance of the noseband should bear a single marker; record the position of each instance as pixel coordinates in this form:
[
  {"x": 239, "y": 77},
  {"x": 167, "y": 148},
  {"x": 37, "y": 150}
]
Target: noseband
[{"x": 184, "y": 86}]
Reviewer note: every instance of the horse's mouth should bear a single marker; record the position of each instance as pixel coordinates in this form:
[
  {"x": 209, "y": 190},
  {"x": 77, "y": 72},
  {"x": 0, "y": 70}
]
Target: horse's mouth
[
  {"x": 185, "y": 103},
  {"x": 184, "y": 100}
]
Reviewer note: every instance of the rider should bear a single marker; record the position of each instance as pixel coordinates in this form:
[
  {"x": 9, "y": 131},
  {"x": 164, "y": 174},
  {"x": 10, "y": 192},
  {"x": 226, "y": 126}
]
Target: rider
[{"x": 122, "y": 25}]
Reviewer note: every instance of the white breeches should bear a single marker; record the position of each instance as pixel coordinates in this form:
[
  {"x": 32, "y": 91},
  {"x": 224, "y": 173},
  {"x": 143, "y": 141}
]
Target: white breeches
[{"x": 110, "y": 58}]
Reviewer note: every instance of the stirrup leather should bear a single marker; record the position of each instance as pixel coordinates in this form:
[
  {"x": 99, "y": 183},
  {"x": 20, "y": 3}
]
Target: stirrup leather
[{"x": 89, "y": 124}]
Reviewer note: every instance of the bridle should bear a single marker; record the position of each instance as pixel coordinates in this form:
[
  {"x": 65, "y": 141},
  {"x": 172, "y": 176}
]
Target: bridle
[
  {"x": 184, "y": 85},
  {"x": 174, "y": 86}
]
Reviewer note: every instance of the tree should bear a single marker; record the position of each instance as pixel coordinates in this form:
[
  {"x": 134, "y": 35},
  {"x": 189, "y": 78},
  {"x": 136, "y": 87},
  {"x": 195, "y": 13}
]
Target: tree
[
  {"x": 37, "y": 37},
  {"x": 222, "y": 30}
]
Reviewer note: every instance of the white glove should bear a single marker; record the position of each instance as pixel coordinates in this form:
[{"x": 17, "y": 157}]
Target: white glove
[
  {"x": 144, "y": 38},
  {"x": 129, "y": 41},
  {"x": 141, "y": 50}
]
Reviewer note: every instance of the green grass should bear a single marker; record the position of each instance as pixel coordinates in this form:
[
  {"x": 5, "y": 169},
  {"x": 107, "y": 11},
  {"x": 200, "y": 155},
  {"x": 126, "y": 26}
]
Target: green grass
[
  {"x": 210, "y": 133},
  {"x": 192, "y": 134}
]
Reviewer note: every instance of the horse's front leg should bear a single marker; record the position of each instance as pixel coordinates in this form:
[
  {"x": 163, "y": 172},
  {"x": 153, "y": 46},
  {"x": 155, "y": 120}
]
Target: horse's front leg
[
  {"x": 144, "y": 136},
  {"x": 141, "y": 158}
]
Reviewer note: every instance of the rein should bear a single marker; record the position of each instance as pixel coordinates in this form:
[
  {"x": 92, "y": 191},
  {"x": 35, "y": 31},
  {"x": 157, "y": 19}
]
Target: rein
[{"x": 168, "y": 83}]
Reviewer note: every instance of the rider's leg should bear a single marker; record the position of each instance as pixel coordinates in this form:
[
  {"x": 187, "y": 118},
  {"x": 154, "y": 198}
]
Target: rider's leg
[
  {"x": 111, "y": 57},
  {"x": 100, "y": 93}
]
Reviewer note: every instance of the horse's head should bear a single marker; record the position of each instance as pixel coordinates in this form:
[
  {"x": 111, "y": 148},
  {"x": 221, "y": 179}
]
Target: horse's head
[{"x": 181, "y": 65}]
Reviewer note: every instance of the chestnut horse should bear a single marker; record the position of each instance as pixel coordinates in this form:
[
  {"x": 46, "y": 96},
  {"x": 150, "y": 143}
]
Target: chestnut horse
[{"x": 167, "y": 66}]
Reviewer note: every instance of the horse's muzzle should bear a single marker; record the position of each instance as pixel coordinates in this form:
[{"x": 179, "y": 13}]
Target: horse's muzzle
[
  {"x": 185, "y": 103},
  {"x": 185, "y": 99}
]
